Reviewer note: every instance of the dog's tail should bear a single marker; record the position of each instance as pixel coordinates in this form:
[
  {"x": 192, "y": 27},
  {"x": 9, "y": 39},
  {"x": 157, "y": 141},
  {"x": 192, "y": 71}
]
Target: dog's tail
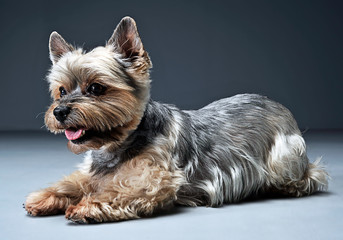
[{"x": 315, "y": 179}]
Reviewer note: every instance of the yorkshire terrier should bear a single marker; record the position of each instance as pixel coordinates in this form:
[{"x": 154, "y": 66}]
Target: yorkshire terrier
[{"x": 143, "y": 156}]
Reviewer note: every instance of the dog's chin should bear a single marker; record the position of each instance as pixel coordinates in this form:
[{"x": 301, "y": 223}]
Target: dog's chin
[{"x": 80, "y": 148}]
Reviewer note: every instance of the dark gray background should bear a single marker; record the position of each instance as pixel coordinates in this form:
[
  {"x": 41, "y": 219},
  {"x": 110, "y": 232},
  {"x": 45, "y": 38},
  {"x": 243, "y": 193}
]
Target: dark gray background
[{"x": 290, "y": 51}]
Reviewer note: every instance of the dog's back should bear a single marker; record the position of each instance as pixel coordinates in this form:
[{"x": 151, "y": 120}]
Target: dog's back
[{"x": 242, "y": 145}]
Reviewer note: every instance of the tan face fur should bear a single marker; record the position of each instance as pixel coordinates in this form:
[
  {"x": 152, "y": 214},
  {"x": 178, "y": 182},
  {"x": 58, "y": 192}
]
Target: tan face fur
[{"x": 120, "y": 70}]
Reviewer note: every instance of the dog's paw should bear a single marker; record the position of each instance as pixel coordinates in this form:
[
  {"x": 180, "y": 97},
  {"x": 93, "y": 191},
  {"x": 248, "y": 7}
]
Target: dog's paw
[
  {"x": 43, "y": 203},
  {"x": 85, "y": 212}
]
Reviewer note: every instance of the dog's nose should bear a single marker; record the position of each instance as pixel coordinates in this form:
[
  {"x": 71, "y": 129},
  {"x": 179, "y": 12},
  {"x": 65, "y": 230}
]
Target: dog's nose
[{"x": 61, "y": 113}]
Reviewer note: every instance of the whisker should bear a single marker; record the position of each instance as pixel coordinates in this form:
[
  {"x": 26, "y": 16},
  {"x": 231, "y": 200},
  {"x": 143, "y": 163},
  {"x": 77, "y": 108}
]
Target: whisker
[{"x": 39, "y": 114}]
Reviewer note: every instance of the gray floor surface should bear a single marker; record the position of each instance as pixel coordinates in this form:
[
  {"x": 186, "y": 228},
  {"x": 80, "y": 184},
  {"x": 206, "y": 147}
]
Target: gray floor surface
[{"x": 30, "y": 161}]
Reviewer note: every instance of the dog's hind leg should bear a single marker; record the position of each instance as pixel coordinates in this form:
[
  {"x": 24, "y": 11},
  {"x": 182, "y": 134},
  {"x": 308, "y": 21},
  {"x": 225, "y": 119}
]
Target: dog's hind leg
[{"x": 289, "y": 170}]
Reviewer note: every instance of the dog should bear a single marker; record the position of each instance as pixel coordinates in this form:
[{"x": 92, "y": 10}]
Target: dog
[{"x": 142, "y": 156}]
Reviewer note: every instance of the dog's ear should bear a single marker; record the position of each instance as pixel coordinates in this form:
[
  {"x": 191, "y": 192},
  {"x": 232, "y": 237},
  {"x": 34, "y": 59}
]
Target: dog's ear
[
  {"x": 126, "y": 41},
  {"x": 58, "y": 47}
]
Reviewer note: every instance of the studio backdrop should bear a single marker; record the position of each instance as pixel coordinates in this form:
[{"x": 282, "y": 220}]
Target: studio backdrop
[{"x": 290, "y": 51}]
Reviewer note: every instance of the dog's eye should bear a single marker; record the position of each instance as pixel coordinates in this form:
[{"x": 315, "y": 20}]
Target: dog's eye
[
  {"x": 62, "y": 92},
  {"x": 96, "y": 89}
]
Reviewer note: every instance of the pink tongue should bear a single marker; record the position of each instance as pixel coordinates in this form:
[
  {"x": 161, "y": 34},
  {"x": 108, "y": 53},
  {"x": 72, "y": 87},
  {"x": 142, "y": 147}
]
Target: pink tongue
[{"x": 72, "y": 134}]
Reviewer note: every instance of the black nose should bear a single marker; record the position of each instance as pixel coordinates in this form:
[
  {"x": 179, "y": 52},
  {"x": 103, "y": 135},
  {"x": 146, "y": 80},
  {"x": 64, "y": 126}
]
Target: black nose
[{"x": 61, "y": 113}]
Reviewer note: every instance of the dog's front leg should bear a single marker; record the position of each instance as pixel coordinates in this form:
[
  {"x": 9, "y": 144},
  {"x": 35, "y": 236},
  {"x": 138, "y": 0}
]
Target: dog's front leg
[
  {"x": 57, "y": 198},
  {"x": 138, "y": 188}
]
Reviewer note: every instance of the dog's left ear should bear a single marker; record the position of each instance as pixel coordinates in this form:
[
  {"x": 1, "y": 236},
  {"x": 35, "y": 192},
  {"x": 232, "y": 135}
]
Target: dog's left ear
[{"x": 126, "y": 41}]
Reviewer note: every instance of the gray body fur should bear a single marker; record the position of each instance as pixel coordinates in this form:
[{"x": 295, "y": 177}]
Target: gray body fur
[
  {"x": 224, "y": 149},
  {"x": 233, "y": 137}
]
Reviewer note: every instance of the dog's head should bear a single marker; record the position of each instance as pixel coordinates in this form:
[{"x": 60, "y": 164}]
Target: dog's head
[{"x": 99, "y": 96}]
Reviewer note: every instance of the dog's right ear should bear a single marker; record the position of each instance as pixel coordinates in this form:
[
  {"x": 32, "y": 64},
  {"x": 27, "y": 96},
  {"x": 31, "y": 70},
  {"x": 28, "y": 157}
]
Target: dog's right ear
[{"x": 58, "y": 47}]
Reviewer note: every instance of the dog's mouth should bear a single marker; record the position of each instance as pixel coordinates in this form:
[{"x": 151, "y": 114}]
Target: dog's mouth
[{"x": 78, "y": 135}]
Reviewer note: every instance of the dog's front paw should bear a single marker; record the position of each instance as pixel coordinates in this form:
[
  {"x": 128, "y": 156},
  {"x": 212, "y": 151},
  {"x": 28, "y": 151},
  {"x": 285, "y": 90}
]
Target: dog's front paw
[
  {"x": 44, "y": 202},
  {"x": 86, "y": 212}
]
